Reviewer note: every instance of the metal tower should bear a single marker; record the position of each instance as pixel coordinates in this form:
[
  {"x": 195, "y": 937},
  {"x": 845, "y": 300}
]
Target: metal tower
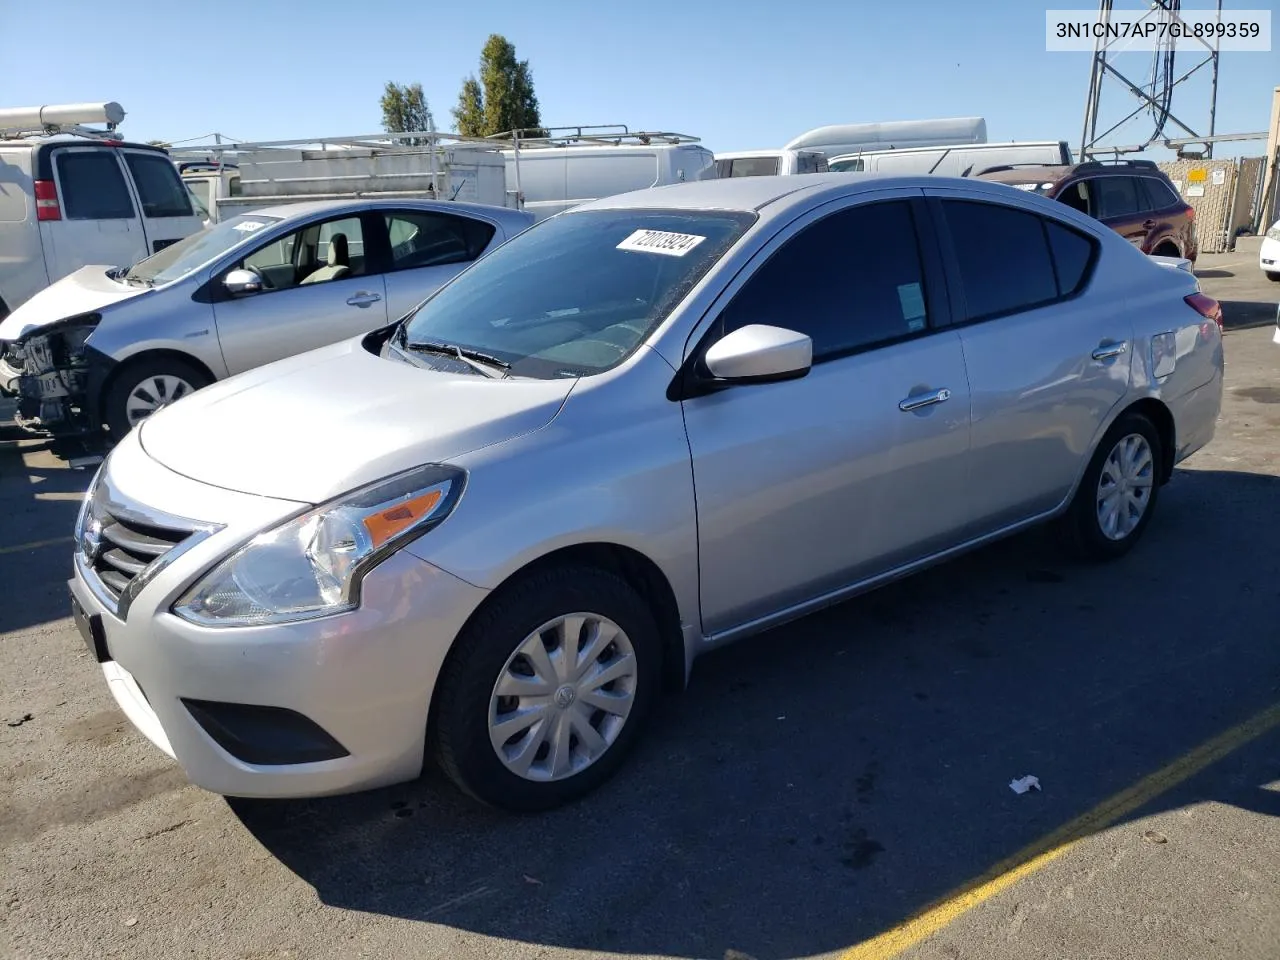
[{"x": 1155, "y": 93}]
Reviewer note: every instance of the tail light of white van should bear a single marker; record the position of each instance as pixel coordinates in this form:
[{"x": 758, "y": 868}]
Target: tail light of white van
[{"x": 47, "y": 201}]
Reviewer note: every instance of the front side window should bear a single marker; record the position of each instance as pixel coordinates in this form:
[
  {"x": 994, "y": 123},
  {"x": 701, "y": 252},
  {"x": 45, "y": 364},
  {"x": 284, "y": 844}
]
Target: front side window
[
  {"x": 159, "y": 187},
  {"x": 1003, "y": 258},
  {"x": 576, "y": 294},
  {"x": 316, "y": 253},
  {"x": 199, "y": 190},
  {"x": 851, "y": 280},
  {"x": 426, "y": 239},
  {"x": 189, "y": 254},
  {"x": 93, "y": 186},
  {"x": 1116, "y": 197}
]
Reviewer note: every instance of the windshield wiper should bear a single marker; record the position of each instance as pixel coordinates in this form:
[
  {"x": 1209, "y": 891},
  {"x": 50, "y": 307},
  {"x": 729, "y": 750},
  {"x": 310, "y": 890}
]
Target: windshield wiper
[
  {"x": 481, "y": 362},
  {"x": 133, "y": 278}
]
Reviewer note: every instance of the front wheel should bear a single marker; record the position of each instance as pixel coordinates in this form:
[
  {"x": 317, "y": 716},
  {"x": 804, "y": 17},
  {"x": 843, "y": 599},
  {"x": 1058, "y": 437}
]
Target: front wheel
[
  {"x": 1273, "y": 277},
  {"x": 144, "y": 387},
  {"x": 547, "y": 689},
  {"x": 1118, "y": 492}
]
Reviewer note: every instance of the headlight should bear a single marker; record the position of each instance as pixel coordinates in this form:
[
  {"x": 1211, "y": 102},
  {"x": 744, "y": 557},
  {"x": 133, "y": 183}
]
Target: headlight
[
  {"x": 1274, "y": 232},
  {"x": 88, "y": 527},
  {"x": 312, "y": 565}
]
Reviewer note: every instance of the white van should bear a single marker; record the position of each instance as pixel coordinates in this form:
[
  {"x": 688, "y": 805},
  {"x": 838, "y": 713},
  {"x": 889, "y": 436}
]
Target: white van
[
  {"x": 769, "y": 163},
  {"x": 552, "y": 178},
  {"x": 71, "y": 196},
  {"x": 957, "y": 160}
]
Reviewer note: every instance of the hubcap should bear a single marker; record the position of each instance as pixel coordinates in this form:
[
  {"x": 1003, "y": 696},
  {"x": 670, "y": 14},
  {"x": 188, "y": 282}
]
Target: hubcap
[
  {"x": 152, "y": 394},
  {"x": 1124, "y": 487},
  {"x": 563, "y": 697}
]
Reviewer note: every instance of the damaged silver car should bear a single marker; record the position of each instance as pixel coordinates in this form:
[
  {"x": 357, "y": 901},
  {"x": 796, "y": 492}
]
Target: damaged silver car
[{"x": 108, "y": 346}]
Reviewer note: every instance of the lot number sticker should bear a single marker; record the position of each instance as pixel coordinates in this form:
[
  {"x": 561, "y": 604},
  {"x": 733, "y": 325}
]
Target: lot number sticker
[
  {"x": 660, "y": 241},
  {"x": 248, "y": 226}
]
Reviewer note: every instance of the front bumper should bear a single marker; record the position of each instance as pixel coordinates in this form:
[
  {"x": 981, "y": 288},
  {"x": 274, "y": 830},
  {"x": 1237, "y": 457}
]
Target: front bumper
[{"x": 364, "y": 678}]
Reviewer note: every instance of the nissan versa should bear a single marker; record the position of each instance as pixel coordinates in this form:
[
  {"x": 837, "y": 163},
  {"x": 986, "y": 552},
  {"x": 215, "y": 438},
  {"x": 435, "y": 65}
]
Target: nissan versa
[{"x": 493, "y": 531}]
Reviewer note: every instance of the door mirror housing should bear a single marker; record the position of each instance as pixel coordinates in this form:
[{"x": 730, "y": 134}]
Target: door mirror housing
[
  {"x": 242, "y": 283},
  {"x": 758, "y": 353}
]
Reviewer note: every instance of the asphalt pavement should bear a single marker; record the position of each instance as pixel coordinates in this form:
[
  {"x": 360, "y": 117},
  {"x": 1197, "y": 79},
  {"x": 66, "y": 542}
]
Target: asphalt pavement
[{"x": 839, "y": 786}]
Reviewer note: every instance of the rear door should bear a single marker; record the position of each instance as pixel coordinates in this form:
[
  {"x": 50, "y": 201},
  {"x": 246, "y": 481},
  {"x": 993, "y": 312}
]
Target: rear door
[
  {"x": 1046, "y": 365},
  {"x": 99, "y": 221},
  {"x": 167, "y": 212},
  {"x": 427, "y": 249},
  {"x": 307, "y": 300}
]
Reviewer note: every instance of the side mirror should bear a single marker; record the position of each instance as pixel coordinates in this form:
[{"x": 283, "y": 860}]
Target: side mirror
[
  {"x": 758, "y": 353},
  {"x": 242, "y": 283}
]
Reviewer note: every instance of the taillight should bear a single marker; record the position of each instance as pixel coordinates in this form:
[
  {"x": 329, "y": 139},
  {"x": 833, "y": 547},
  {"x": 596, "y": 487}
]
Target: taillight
[
  {"x": 1207, "y": 307},
  {"x": 47, "y": 201},
  {"x": 1191, "y": 213}
]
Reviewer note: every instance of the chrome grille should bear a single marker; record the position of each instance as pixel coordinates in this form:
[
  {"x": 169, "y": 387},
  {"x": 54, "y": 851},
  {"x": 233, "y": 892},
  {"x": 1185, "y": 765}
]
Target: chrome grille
[{"x": 127, "y": 547}]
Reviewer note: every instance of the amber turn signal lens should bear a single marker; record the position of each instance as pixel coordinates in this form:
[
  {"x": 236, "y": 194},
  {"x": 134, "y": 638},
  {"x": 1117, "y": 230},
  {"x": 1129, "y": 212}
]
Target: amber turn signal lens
[{"x": 385, "y": 524}]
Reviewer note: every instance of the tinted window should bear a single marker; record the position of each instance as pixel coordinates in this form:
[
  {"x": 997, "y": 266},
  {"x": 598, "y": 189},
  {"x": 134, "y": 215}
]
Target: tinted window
[
  {"x": 1071, "y": 254},
  {"x": 93, "y": 187},
  {"x": 1003, "y": 258},
  {"x": 1159, "y": 194},
  {"x": 159, "y": 187},
  {"x": 420, "y": 239},
  {"x": 851, "y": 280},
  {"x": 852, "y": 165},
  {"x": 1114, "y": 196},
  {"x": 753, "y": 167}
]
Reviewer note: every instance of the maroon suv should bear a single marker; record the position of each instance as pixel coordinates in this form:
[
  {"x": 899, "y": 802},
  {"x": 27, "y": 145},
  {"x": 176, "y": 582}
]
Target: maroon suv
[{"x": 1132, "y": 197}]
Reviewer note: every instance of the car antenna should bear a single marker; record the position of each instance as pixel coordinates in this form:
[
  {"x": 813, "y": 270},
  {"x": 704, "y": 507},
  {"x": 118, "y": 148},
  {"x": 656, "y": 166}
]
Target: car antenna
[
  {"x": 967, "y": 170},
  {"x": 459, "y": 190}
]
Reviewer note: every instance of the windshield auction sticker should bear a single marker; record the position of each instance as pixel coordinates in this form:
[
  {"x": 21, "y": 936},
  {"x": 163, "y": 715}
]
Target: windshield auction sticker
[
  {"x": 659, "y": 241},
  {"x": 248, "y": 226}
]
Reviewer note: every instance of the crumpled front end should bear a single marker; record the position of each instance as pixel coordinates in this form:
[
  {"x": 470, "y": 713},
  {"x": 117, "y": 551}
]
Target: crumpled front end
[{"x": 56, "y": 377}]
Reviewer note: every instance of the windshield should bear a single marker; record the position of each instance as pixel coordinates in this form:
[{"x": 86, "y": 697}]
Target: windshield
[
  {"x": 576, "y": 294},
  {"x": 189, "y": 254}
]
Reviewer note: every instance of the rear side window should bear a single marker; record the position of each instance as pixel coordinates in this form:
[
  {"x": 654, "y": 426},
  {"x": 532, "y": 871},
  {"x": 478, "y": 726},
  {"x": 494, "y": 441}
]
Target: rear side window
[
  {"x": 1159, "y": 194},
  {"x": 1115, "y": 196},
  {"x": 423, "y": 239},
  {"x": 851, "y": 280},
  {"x": 1004, "y": 259},
  {"x": 1072, "y": 254},
  {"x": 159, "y": 187},
  {"x": 93, "y": 186},
  {"x": 754, "y": 167}
]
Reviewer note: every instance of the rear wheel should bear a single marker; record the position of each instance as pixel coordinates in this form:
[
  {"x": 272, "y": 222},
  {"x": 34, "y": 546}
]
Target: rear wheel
[
  {"x": 1273, "y": 277},
  {"x": 142, "y": 388},
  {"x": 547, "y": 689},
  {"x": 1118, "y": 492}
]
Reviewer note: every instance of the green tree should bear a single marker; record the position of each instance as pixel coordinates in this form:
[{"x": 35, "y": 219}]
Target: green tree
[
  {"x": 503, "y": 98},
  {"x": 404, "y": 108},
  {"x": 468, "y": 115}
]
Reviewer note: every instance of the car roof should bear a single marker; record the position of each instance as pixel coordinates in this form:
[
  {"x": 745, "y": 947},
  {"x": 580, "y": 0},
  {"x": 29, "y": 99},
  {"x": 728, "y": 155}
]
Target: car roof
[
  {"x": 517, "y": 219},
  {"x": 754, "y": 194}
]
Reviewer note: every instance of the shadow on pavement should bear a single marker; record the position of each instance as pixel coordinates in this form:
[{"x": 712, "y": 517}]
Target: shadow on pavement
[
  {"x": 817, "y": 784},
  {"x": 38, "y": 504},
  {"x": 1245, "y": 314}
]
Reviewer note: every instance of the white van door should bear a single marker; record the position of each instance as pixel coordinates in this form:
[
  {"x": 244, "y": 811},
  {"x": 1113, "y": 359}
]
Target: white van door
[
  {"x": 167, "y": 212},
  {"x": 97, "y": 220}
]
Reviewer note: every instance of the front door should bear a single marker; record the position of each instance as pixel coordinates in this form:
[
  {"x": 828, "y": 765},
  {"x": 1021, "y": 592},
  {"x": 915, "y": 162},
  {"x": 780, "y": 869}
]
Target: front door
[
  {"x": 808, "y": 485},
  {"x": 1046, "y": 366},
  {"x": 99, "y": 223},
  {"x": 319, "y": 288}
]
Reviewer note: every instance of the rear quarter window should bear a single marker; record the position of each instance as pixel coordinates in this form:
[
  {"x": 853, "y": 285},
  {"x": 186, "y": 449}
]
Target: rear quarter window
[
  {"x": 159, "y": 187},
  {"x": 1160, "y": 195},
  {"x": 1073, "y": 255}
]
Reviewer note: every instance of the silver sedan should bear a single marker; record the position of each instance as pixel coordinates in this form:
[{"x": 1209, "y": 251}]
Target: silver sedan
[{"x": 494, "y": 532}]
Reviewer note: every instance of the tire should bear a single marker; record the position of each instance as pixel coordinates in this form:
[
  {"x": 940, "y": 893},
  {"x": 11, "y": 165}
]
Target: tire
[
  {"x": 488, "y": 649},
  {"x": 1083, "y": 524},
  {"x": 1273, "y": 277},
  {"x": 122, "y": 402}
]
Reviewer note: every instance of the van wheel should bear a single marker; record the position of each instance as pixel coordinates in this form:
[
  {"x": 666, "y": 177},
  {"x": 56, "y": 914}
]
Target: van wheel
[
  {"x": 143, "y": 387},
  {"x": 546, "y": 689},
  {"x": 1118, "y": 492}
]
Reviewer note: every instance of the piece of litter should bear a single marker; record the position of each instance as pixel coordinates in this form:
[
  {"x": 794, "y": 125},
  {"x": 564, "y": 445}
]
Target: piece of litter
[
  {"x": 25, "y": 718},
  {"x": 529, "y": 879},
  {"x": 1152, "y": 837},
  {"x": 131, "y": 922},
  {"x": 1023, "y": 784}
]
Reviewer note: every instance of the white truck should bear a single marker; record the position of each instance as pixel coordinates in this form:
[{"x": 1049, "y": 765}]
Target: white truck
[
  {"x": 849, "y": 138},
  {"x": 954, "y": 160},
  {"x": 769, "y": 163},
  {"x": 571, "y": 165},
  {"x": 238, "y": 177}
]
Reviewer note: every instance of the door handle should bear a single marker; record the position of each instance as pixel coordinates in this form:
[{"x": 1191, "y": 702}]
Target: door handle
[
  {"x": 1109, "y": 351},
  {"x": 919, "y": 400},
  {"x": 363, "y": 299}
]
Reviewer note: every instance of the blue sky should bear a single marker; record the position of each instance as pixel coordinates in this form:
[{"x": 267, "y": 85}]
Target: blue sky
[{"x": 739, "y": 75}]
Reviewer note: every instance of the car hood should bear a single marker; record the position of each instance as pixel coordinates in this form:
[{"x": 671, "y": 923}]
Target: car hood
[
  {"x": 86, "y": 290},
  {"x": 319, "y": 424}
]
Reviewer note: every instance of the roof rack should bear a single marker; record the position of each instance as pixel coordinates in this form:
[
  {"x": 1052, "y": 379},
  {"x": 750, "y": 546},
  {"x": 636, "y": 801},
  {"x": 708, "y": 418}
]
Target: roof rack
[
  {"x": 1116, "y": 162},
  {"x": 61, "y": 118},
  {"x": 605, "y": 134}
]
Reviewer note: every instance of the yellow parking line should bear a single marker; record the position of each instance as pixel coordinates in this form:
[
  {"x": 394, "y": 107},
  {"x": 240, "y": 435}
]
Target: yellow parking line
[
  {"x": 34, "y": 544},
  {"x": 1037, "y": 855}
]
